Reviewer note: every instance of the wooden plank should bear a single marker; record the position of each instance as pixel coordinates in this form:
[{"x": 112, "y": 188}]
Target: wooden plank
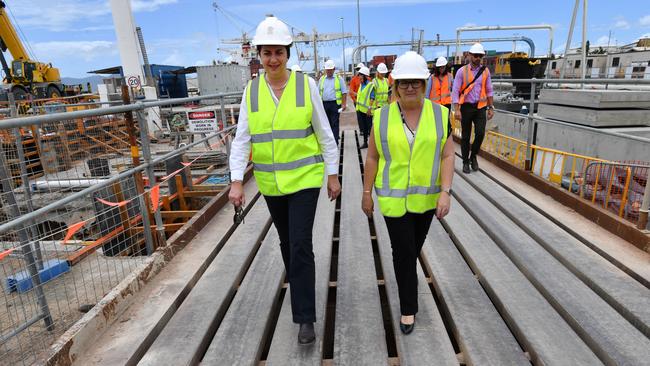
[
  {"x": 481, "y": 334},
  {"x": 429, "y": 343},
  {"x": 240, "y": 338},
  {"x": 359, "y": 331},
  {"x": 540, "y": 330},
  {"x": 604, "y": 330},
  {"x": 629, "y": 297},
  {"x": 180, "y": 190},
  {"x": 183, "y": 340},
  {"x": 285, "y": 350},
  {"x": 132, "y": 334},
  {"x": 177, "y": 214},
  {"x": 191, "y": 194}
]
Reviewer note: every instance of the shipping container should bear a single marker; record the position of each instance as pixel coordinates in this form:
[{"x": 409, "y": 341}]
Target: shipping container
[
  {"x": 215, "y": 79},
  {"x": 170, "y": 85}
]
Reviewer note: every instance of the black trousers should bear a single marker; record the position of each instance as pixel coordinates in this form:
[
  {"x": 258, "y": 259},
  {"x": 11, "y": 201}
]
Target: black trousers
[
  {"x": 365, "y": 124},
  {"x": 332, "y": 111},
  {"x": 470, "y": 114},
  {"x": 293, "y": 217},
  {"x": 407, "y": 234}
]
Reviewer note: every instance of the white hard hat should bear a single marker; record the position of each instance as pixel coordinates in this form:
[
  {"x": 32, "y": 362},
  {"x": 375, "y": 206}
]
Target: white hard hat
[
  {"x": 295, "y": 68},
  {"x": 441, "y": 61},
  {"x": 360, "y": 65},
  {"x": 329, "y": 65},
  {"x": 382, "y": 68},
  {"x": 365, "y": 71},
  {"x": 272, "y": 31},
  {"x": 477, "y": 49},
  {"x": 410, "y": 66}
]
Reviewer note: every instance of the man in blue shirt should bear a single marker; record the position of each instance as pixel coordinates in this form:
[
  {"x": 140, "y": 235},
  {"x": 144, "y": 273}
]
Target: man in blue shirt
[{"x": 334, "y": 93}]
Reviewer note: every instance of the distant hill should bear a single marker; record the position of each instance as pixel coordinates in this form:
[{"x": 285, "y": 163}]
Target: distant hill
[{"x": 93, "y": 80}]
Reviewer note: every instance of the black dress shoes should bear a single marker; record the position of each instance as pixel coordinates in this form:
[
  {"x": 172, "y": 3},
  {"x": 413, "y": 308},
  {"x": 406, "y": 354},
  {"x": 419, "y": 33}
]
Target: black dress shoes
[
  {"x": 474, "y": 163},
  {"x": 466, "y": 168},
  {"x": 306, "y": 335},
  {"x": 407, "y": 328}
]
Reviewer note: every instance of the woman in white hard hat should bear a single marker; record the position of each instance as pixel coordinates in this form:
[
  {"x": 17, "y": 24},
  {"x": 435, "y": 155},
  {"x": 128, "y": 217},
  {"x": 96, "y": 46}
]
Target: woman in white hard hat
[
  {"x": 282, "y": 118},
  {"x": 440, "y": 84},
  {"x": 365, "y": 102},
  {"x": 410, "y": 164},
  {"x": 381, "y": 86}
]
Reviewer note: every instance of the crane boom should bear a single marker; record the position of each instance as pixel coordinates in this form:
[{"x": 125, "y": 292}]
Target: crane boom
[{"x": 9, "y": 37}]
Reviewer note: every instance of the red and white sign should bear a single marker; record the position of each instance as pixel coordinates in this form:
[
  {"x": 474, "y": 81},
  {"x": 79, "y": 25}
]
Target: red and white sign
[{"x": 202, "y": 121}]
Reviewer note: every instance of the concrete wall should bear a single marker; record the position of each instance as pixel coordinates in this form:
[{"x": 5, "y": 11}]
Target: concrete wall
[{"x": 574, "y": 140}]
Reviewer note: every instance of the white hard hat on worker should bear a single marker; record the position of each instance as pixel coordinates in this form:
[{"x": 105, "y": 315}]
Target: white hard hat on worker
[
  {"x": 364, "y": 71},
  {"x": 381, "y": 68},
  {"x": 410, "y": 66},
  {"x": 477, "y": 49},
  {"x": 360, "y": 65},
  {"x": 329, "y": 65},
  {"x": 441, "y": 61},
  {"x": 272, "y": 31}
]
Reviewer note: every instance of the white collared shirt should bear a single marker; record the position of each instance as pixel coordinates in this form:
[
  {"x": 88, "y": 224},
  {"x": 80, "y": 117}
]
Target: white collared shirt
[{"x": 241, "y": 145}]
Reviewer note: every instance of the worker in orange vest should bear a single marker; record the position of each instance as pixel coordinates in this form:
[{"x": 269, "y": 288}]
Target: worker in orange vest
[
  {"x": 473, "y": 102},
  {"x": 355, "y": 83},
  {"x": 440, "y": 84}
]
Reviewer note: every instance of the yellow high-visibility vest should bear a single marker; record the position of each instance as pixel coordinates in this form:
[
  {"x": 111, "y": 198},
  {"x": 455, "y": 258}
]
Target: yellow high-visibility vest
[
  {"x": 408, "y": 177},
  {"x": 363, "y": 97},
  {"x": 337, "y": 88},
  {"x": 286, "y": 154},
  {"x": 381, "y": 92}
]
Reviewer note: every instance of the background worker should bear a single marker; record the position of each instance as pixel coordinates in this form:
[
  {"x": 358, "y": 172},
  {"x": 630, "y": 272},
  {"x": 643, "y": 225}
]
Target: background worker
[
  {"x": 440, "y": 84},
  {"x": 355, "y": 82},
  {"x": 472, "y": 97},
  {"x": 411, "y": 173},
  {"x": 381, "y": 86},
  {"x": 281, "y": 117},
  {"x": 334, "y": 94},
  {"x": 365, "y": 101}
]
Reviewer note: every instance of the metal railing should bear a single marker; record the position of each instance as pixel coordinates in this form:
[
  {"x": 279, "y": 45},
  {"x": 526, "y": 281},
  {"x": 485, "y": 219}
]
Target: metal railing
[{"x": 70, "y": 229}]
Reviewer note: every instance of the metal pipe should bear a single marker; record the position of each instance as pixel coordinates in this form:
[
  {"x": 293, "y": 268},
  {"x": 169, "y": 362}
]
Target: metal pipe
[
  {"x": 531, "y": 125},
  {"x": 7, "y": 336},
  {"x": 584, "y": 42},
  {"x": 356, "y": 57},
  {"x": 65, "y": 200},
  {"x": 645, "y": 205},
  {"x": 569, "y": 38},
  {"x": 507, "y": 27}
]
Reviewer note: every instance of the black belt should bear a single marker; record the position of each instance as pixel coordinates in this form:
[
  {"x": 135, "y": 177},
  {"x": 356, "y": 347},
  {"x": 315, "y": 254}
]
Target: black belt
[
  {"x": 475, "y": 105},
  {"x": 330, "y": 101}
]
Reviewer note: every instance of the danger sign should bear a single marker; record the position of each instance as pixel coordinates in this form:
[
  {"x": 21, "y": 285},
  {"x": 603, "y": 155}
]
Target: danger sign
[{"x": 202, "y": 122}]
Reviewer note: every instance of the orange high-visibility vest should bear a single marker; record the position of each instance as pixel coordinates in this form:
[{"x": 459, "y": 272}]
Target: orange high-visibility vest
[
  {"x": 355, "y": 83},
  {"x": 468, "y": 76},
  {"x": 440, "y": 90}
]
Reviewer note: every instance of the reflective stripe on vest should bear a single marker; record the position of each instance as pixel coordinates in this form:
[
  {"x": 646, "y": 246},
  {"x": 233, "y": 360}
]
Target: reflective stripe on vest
[
  {"x": 439, "y": 92},
  {"x": 467, "y": 74},
  {"x": 337, "y": 88},
  {"x": 286, "y": 154},
  {"x": 363, "y": 98},
  {"x": 381, "y": 92},
  {"x": 394, "y": 201}
]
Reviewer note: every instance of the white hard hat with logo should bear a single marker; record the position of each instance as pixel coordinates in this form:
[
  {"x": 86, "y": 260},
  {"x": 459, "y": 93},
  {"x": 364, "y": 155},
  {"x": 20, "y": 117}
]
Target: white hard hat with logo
[
  {"x": 272, "y": 31},
  {"x": 441, "y": 61},
  {"x": 410, "y": 66},
  {"x": 382, "y": 68},
  {"x": 295, "y": 68},
  {"x": 329, "y": 65},
  {"x": 360, "y": 65},
  {"x": 477, "y": 49},
  {"x": 365, "y": 71}
]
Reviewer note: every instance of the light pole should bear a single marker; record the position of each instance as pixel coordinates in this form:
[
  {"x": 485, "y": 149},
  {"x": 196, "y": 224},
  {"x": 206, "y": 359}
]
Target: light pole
[{"x": 343, "y": 35}]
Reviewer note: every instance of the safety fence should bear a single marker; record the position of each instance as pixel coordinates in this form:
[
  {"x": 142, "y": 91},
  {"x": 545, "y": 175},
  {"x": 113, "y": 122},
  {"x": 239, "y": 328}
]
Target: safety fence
[
  {"x": 85, "y": 197},
  {"x": 620, "y": 187}
]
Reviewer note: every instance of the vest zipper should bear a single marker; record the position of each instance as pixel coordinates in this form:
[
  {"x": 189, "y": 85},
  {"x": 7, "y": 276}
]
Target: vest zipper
[{"x": 277, "y": 106}]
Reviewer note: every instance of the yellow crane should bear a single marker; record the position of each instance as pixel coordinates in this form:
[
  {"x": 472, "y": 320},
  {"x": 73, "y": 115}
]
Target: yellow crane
[{"x": 26, "y": 76}]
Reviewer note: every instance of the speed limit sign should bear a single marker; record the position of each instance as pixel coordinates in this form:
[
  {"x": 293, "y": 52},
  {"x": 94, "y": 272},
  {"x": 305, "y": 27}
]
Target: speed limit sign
[{"x": 133, "y": 82}]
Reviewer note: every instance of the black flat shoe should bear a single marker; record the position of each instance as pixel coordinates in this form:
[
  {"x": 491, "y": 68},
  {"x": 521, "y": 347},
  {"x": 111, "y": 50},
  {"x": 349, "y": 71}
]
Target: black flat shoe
[
  {"x": 407, "y": 328},
  {"x": 306, "y": 335},
  {"x": 474, "y": 163},
  {"x": 466, "y": 168}
]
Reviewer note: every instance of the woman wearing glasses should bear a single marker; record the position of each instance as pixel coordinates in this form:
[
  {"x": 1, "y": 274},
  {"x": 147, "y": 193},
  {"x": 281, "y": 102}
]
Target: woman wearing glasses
[{"x": 410, "y": 163}]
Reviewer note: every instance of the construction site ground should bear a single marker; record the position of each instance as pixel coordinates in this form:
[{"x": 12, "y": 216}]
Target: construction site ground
[{"x": 508, "y": 277}]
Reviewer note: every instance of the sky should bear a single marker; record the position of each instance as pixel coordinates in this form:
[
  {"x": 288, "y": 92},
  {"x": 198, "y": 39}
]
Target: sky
[{"x": 78, "y": 35}]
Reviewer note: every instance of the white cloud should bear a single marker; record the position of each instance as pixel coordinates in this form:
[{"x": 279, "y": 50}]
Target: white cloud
[
  {"x": 329, "y": 4},
  {"x": 175, "y": 58},
  {"x": 86, "y": 50},
  {"x": 621, "y": 23},
  {"x": 645, "y": 21},
  {"x": 604, "y": 41},
  {"x": 67, "y": 15}
]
